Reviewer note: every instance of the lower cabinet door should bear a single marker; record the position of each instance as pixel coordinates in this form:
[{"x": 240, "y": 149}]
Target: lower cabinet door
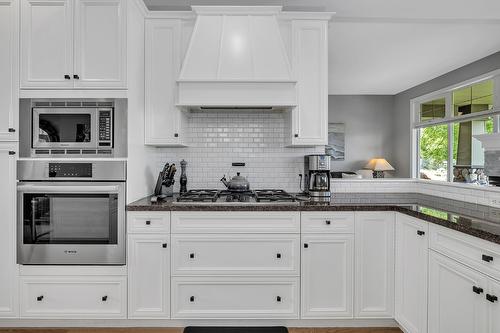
[
  {"x": 412, "y": 251},
  {"x": 374, "y": 265},
  {"x": 327, "y": 276},
  {"x": 148, "y": 276},
  {"x": 235, "y": 297},
  {"x": 456, "y": 297},
  {"x": 73, "y": 297}
]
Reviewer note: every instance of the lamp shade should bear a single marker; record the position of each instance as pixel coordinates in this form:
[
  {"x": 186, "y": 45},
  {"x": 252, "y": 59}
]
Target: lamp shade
[{"x": 379, "y": 164}]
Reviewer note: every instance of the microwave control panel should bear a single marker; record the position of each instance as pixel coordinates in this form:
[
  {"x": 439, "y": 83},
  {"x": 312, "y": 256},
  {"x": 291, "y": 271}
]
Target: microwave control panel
[
  {"x": 105, "y": 127},
  {"x": 70, "y": 170}
]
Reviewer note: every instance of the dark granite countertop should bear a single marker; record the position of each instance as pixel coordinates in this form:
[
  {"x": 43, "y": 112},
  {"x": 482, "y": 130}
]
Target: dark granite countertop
[{"x": 476, "y": 220}]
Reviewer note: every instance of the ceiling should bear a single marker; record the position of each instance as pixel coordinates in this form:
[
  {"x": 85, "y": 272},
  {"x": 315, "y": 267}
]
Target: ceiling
[{"x": 387, "y": 46}]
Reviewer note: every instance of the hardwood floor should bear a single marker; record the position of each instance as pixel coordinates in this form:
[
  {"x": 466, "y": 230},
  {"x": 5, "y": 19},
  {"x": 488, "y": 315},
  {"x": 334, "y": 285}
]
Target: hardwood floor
[{"x": 179, "y": 330}]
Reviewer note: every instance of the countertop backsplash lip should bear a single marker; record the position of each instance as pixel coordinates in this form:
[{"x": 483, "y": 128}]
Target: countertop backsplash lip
[{"x": 473, "y": 219}]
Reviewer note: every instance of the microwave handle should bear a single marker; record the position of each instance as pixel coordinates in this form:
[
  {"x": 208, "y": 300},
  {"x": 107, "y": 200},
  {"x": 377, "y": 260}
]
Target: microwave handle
[{"x": 69, "y": 188}]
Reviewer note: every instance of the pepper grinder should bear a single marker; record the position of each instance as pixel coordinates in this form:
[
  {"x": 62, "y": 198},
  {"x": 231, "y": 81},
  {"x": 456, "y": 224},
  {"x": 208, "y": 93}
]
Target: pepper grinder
[{"x": 183, "y": 180}]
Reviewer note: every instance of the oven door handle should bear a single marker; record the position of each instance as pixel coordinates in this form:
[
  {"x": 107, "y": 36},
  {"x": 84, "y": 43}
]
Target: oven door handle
[{"x": 69, "y": 188}]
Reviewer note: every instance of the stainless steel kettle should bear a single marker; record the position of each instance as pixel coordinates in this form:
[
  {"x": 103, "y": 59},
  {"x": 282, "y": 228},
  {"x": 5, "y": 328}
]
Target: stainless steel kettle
[{"x": 237, "y": 184}]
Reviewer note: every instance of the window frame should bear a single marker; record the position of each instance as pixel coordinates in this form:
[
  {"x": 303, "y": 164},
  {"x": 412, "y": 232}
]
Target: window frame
[{"x": 447, "y": 93}]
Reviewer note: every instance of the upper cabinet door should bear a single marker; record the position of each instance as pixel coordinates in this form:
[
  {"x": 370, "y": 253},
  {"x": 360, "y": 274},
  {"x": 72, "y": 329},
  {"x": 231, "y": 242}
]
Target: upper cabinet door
[
  {"x": 9, "y": 41},
  {"x": 46, "y": 44},
  {"x": 100, "y": 44},
  {"x": 310, "y": 67}
]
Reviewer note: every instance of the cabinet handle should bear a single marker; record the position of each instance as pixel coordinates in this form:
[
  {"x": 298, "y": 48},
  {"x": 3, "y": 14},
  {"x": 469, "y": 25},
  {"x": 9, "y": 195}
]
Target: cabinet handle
[
  {"x": 11, "y": 152},
  {"x": 191, "y": 256},
  {"x": 328, "y": 222},
  {"x": 306, "y": 245},
  {"x": 76, "y": 77},
  {"x": 11, "y": 130},
  {"x": 191, "y": 299},
  {"x": 491, "y": 298},
  {"x": 296, "y": 135},
  {"x": 39, "y": 298},
  {"x": 420, "y": 232},
  {"x": 278, "y": 298},
  {"x": 487, "y": 258},
  {"x": 278, "y": 255},
  {"x": 164, "y": 245},
  {"x": 477, "y": 290},
  {"x": 148, "y": 222},
  {"x": 176, "y": 135},
  {"x": 67, "y": 77},
  {"x": 104, "y": 298}
]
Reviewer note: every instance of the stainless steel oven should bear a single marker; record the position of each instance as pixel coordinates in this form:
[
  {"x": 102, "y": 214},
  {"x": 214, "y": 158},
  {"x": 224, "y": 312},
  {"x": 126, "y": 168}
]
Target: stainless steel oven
[{"x": 71, "y": 212}]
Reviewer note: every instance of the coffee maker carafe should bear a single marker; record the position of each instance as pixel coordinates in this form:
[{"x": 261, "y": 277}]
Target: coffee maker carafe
[{"x": 317, "y": 175}]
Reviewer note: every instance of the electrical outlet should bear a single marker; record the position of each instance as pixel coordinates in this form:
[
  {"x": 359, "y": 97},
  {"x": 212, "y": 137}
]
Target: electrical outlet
[
  {"x": 495, "y": 202},
  {"x": 495, "y": 213}
]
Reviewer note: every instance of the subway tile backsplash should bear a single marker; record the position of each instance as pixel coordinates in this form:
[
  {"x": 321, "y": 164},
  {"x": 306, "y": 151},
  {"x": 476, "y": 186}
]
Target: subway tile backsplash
[{"x": 257, "y": 138}]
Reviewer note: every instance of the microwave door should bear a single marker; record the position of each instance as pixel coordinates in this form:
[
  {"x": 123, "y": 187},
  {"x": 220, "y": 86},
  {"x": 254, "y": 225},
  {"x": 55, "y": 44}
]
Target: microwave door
[{"x": 64, "y": 128}]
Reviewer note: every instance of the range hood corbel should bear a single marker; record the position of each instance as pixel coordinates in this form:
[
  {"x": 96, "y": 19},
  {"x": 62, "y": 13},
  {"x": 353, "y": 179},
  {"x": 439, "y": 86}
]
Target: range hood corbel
[{"x": 236, "y": 57}]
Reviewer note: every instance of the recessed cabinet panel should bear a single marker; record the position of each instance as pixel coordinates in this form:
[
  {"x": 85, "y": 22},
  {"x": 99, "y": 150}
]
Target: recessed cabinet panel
[
  {"x": 412, "y": 243},
  {"x": 456, "y": 297},
  {"x": 149, "y": 276},
  {"x": 310, "y": 67},
  {"x": 9, "y": 41},
  {"x": 374, "y": 273},
  {"x": 327, "y": 276},
  {"x": 163, "y": 119},
  {"x": 8, "y": 267},
  {"x": 100, "y": 44},
  {"x": 46, "y": 44}
]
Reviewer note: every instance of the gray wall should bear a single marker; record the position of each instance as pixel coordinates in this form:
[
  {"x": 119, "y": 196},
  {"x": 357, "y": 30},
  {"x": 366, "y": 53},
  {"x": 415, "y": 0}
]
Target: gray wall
[
  {"x": 401, "y": 136},
  {"x": 369, "y": 128}
]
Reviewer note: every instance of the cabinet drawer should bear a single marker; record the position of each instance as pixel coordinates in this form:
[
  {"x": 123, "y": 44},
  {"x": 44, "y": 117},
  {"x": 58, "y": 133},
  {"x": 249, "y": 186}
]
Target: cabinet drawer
[
  {"x": 235, "y": 297},
  {"x": 474, "y": 252},
  {"x": 73, "y": 297},
  {"x": 328, "y": 222},
  {"x": 148, "y": 222},
  {"x": 235, "y": 254},
  {"x": 235, "y": 222}
]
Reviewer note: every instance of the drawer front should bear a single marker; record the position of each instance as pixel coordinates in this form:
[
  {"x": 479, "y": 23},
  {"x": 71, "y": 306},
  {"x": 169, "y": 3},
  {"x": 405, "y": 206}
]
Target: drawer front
[
  {"x": 235, "y": 222},
  {"x": 474, "y": 252},
  {"x": 148, "y": 222},
  {"x": 328, "y": 222},
  {"x": 235, "y": 254},
  {"x": 220, "y": 298},
  {"x": 73, "y": 297}
]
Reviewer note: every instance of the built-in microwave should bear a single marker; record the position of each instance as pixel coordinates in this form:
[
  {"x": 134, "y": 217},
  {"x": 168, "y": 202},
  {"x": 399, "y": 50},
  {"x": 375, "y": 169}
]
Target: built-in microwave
[{"x": 73, "y": 128}]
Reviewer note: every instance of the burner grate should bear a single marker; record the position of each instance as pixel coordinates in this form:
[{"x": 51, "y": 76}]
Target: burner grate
[
  {"x": 203, "y": 195},
  {"x": 273, "y": 195}
]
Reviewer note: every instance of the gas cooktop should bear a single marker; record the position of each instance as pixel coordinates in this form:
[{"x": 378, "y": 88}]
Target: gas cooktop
[{"x": 225, "y": 196}]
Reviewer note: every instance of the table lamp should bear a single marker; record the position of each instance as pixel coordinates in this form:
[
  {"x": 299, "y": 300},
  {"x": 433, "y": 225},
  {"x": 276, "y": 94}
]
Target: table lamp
[{"x": 379, "y": 165}]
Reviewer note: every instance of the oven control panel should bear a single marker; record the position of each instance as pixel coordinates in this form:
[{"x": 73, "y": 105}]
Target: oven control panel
[{"x": 70, "y": 170}]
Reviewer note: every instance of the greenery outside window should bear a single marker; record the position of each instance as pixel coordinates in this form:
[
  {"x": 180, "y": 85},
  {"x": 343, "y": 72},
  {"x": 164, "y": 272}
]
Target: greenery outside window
[{"x": 445, "y": 125}]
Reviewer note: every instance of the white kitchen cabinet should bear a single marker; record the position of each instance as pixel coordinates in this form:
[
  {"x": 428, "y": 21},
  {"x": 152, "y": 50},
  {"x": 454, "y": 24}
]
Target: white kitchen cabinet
[
  {"x": 327, "y": 276},
  {"x": 309, "y": 120},
  {"x": 235, "y": 297},
  {"x": 164, "y": 121},
  {"x": 84, "y": 46},
  {"x": 100, "y": 44},
  {"x": 412, "y": 247},
  {"x": 8, "y": 266},
  {"x": 9, "y": 40},
  {"x": 374, "y": 269},
  {"x": 149, "y": 276},
  {"x": 456, "y": 297}
]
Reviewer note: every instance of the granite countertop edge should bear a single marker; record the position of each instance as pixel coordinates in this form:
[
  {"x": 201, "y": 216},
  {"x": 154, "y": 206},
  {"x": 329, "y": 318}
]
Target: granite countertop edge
[{"x": 140, "y": 205}]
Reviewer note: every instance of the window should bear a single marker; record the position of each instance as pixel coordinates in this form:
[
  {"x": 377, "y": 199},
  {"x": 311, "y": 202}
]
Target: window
[{"x": 445, "y": 125}]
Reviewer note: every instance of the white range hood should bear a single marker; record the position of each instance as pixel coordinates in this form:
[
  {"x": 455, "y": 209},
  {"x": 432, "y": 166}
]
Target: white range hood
[{"x": 236, "y": 58}]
